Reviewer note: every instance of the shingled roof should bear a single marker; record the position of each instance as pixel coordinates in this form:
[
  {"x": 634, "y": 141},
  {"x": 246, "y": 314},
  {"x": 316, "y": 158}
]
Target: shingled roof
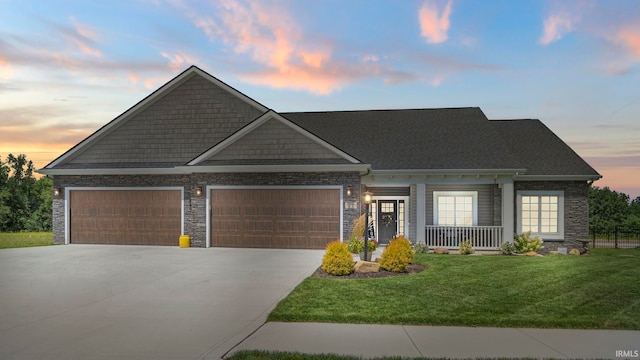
[
  {"x": 539, "y": 150},
  {"x": 195, "y": 111},
  {"x": 444, "y": 139}
]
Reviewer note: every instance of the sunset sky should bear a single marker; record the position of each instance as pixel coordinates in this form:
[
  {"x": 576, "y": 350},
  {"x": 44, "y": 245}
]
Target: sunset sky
[{"x": 69, "y": 67}]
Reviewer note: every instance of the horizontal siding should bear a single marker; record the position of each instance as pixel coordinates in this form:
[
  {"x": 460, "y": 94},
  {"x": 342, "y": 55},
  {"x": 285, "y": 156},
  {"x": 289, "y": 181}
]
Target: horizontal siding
[{"x": 485, "y": 201}]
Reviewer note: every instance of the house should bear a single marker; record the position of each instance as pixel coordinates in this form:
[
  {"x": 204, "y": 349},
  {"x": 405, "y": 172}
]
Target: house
[{"x": 198, "y": 157}]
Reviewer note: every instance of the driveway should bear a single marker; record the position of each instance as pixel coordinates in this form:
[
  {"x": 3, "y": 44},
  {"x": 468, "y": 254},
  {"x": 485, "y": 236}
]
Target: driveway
[{"x": 136, "y": 302}]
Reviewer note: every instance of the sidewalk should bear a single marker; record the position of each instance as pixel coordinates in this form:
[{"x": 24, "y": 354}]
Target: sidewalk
[{"x": 370, "y": 341}]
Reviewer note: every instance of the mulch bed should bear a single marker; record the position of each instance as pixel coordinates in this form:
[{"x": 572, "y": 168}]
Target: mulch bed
[{"x": 413, "y": 269}]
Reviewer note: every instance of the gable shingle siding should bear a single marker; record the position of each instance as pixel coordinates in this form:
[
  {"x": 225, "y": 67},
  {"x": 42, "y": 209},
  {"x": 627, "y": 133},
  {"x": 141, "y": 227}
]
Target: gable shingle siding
[
  {"x": 274, "y": 140},
  {"x": 175, "y": 128}
]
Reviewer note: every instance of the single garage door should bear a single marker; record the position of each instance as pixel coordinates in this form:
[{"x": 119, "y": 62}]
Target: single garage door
[
  {"x": 275, "y": 218},
  {"x": 125, "y": 217}
]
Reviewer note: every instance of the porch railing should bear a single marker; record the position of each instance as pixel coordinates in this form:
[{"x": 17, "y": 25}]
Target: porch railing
[{"x": 482, "y": 237}]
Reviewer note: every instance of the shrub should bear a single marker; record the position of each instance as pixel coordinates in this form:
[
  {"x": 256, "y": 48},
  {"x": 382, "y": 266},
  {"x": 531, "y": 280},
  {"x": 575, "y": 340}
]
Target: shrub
[
  {"x": 337, "y": 260},
  {"x": 466, "y": 248},
  {"x": 356, "y": 245},
  {"x": 421, "y": 248},
  {"x": 525, "y": 243},
  {"x": 397, "y": 256},
  {"x": 507, "y": 248}
]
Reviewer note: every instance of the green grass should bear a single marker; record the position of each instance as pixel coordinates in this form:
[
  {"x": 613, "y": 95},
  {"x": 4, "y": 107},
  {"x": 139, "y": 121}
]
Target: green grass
[
  {"x": 25, "y": 239},
  {"x": 599, "y": 291},
  {"x": 276, "y": 355}
]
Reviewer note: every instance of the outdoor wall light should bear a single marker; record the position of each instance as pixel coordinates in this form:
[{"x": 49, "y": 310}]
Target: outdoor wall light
[
  {"x": 199, "y": 191},
  {"x": 349, "y": 191},
  {"x": 56, "y": 192}
]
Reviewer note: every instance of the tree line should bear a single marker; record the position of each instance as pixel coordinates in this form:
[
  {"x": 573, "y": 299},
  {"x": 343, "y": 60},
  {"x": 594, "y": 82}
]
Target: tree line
[
  {"x": 26, "y": 202},
  {"x": 608, "y": 208}
]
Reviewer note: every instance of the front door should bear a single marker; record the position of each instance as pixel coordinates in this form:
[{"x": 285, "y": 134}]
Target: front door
[{"x": 387, "y": 220}]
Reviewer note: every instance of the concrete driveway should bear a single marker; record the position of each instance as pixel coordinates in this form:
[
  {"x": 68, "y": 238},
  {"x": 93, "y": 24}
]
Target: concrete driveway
[{"x": 136, "y": 302}]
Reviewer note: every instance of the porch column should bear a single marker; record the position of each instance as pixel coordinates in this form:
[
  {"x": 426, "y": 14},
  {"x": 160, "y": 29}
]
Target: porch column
[
  {"x": 508, "y": 213},
  {"x": 421, "y": 213}
]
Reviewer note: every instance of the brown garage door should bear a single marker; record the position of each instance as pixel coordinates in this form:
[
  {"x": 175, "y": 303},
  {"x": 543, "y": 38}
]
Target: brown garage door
[
  {"x": 275, "y": 218},
  {"x": 125, "y": 217}
]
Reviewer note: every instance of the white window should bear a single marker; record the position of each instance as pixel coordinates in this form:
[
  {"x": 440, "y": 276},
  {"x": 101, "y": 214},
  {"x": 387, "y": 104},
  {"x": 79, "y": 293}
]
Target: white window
[
  {"x": 542, "y": 213},
  {"x": 455, "y": 208}
]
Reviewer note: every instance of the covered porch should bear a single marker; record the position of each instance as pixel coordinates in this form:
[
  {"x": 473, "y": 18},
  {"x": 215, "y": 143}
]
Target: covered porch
[{"x": 444, "y": 209}]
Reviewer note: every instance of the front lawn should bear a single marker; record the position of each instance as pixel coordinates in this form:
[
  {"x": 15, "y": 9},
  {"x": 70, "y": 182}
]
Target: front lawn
[
  {"x": 600, "y": 291},
  {"x": 25, "y": 239}
]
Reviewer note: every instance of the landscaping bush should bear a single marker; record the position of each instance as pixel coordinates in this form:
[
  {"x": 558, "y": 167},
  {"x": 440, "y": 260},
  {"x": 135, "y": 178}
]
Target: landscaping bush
[
  {"x": 397, "y": 256},
  {"x": 507, "y": 248},
  {"x": 337, "y": 260},
  {"x": 466, "y": 248},
  {"x": 421, "y": 248},
  {"x": 356, "y": 245},
  {"x": 525, "y": 243}
]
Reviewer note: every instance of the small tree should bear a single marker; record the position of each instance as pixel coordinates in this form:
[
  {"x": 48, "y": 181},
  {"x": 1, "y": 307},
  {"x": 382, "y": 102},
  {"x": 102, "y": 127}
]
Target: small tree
[{"x": 25, "y": 203}]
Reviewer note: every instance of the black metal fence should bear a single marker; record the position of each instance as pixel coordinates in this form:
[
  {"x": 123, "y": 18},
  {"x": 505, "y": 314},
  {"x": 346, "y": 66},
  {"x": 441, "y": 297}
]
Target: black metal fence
[{"x": 618, "y": 237}]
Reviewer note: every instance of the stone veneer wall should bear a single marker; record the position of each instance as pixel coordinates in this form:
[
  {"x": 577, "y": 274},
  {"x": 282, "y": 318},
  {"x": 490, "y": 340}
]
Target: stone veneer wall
[
  {"x": 576, "y": 210},
  {"x": 195, "y": 207}
]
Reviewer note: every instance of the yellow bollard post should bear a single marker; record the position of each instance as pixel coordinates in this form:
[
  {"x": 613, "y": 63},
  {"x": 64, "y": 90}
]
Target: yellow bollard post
[{"x": 185, "y": 241}]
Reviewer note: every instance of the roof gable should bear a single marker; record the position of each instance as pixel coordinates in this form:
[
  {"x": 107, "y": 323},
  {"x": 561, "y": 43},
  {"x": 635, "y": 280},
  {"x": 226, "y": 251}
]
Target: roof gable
[
  {"x": 272, "y": 140},
  {"x": 169, "y": 127}
]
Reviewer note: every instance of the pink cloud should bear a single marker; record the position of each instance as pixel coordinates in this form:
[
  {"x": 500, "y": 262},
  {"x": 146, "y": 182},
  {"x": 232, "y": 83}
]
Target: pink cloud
[
  {"x": 271, "y": 36},
  {"x": 5, "y": 68},
  {"x": 555, "y": 26},
  {"x": 630, "y": 38},
  {"x": 433, "y": 23},
  {"x": 285, "y": 56},
  {"x": 178, "y": 61},
  {"x": 83, "y": 37},
  {"x": 133, "y": 78}
]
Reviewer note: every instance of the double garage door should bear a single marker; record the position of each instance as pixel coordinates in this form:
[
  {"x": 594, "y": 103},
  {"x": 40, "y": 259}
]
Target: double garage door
[
  {"x": 125, "y": 217},
  {"x": 271, "y": 218},
  {"x": 275, "y": 218}
]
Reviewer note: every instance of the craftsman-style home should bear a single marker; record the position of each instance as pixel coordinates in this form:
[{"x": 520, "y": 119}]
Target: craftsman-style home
[{"x": 198, "y": 157}]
